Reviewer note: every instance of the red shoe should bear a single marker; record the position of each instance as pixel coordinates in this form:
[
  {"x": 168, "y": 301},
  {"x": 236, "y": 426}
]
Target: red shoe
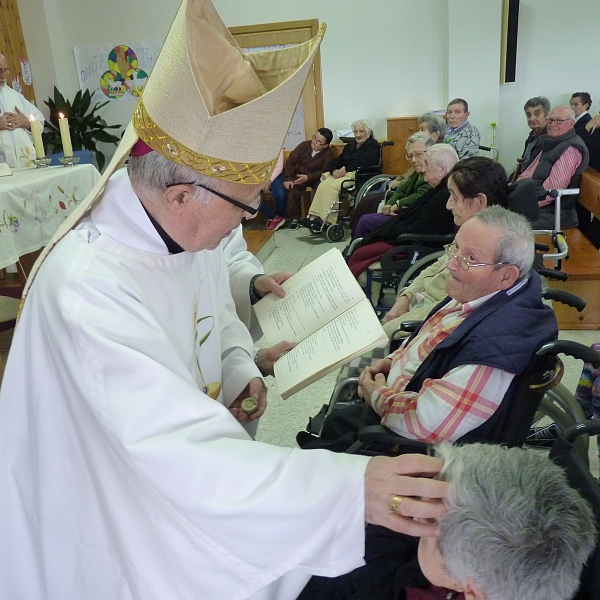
[{"x": 275, "y": 224}]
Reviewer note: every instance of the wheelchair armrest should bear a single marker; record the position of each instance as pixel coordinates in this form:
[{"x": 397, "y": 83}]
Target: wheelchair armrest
[
  {"x": 409, "y": 238},
  {"x": 370, "y": 169},
  {"x": 410, "y": 325},
  {"x": 378, "y": 434}
]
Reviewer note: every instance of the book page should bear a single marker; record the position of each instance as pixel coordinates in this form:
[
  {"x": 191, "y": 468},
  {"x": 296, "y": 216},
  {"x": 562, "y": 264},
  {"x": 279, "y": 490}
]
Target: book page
[
  {"x": 348, "y": 336},
  {"x": 318, "y": 293}
]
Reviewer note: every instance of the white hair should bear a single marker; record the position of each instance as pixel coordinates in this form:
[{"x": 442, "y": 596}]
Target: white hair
[
  {"x": 442, "y": 155},
  {"x": 513, "y": 526},
  {"x": 364, "y": 123},
  {"x": 420, "y": 136},
  {"x": 516, "y": 245}
]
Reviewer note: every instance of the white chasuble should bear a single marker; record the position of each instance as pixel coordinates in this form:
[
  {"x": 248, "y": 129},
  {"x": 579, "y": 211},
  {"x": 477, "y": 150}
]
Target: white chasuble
[
  {"x": 121, "y": 478},
  {"x": 17, "y": 145}
]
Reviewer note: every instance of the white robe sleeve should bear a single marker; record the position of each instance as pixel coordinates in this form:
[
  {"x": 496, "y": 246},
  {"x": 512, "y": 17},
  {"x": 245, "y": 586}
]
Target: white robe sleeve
[{"x": 243, "y": 265}]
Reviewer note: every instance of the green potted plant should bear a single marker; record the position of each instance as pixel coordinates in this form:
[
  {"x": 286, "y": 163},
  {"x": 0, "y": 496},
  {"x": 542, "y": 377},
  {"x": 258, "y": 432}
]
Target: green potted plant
[{"x": 87, "y": 127}]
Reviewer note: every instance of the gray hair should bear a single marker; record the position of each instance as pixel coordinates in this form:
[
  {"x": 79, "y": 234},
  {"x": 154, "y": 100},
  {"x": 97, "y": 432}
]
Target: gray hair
[
  {"x": 538, "y": 101},
  {"x": 569, "y": 110},
  {"x": 366, "y": 124},
  {"x": 514, "y": 526},
  {"x": 420, "y": 136},
  {"x": 442, "y": 155},
  {"x": 152, "y": 173},
  {"x": 434, "y": 123},
  {"x": 516, "y": 246}
]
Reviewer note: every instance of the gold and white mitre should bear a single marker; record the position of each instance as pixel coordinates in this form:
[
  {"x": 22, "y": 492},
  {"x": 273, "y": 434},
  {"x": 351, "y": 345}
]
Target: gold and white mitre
[{"x": 209, "y": 106}]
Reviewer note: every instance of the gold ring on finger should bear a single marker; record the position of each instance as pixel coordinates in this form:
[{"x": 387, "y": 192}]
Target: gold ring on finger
[{"x": 395, "y": 503}]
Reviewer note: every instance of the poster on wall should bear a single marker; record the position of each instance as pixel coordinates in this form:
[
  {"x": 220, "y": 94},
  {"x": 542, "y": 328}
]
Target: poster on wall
[{"x": 116, "y": 73}]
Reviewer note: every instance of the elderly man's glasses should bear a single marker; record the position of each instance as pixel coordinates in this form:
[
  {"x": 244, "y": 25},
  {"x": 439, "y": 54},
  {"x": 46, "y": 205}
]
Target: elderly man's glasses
[
  {"x": 5, "y": 71},
  {"x": 318, "y": 141},
  {"x": 557, "y": 121},
  {"x": 463, "y": 262},
  {"x": 251, "y": 208},
  {"x": 420, "y": 154}
]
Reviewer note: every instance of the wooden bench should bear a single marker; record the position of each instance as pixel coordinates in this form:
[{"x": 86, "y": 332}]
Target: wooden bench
[{"x": 582, "y": 265}]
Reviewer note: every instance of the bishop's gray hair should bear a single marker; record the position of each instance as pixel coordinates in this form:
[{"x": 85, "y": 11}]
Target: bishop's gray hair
[
  {"x": 513, "y": 526},
  {"x": 516, "y": 246},
  {"x": 152, "y": 173}
]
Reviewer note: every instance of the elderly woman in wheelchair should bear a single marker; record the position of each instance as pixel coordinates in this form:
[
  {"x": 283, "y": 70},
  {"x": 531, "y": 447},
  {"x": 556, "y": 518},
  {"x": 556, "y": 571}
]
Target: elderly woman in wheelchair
[
  {"x": 362, "y": 151},
  {"x": 368, "y": 215},
  {"x": 428, "y": 215},
  {"x": 513, "y": 528}
]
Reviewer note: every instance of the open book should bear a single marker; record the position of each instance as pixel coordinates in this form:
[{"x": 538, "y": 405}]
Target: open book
[{"x": 326, "y": 312}]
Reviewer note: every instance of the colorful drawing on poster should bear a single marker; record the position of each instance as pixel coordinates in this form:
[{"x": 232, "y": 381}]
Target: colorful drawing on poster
[
  {"x": 123, "y": 74},
  {"x": 25, "y": 71}
]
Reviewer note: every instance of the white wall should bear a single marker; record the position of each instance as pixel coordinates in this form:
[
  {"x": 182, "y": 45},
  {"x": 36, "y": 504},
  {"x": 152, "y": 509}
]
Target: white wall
[
  {"x": 380, "y": 58},
  {"x": 557, "y": 54}
]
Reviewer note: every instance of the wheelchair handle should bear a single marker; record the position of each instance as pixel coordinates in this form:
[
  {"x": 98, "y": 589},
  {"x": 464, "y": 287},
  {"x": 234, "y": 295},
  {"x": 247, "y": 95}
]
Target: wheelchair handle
[
  {"x": 574, "y": 349},
  {"x": 565, "y": 297},
  {"x": 387, "y": 143},
  {"x": 591, "y": 427},
  {"x": 553, "y": 274},
  {"x": 541, "y": 247}
]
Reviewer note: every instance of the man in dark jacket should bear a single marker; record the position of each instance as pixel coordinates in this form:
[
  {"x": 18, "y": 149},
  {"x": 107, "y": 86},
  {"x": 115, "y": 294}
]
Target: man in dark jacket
[
  {"x": 556, "y": 161},
  {"x": 303, "y": 168},
  {"x": 454, "y": 377}
]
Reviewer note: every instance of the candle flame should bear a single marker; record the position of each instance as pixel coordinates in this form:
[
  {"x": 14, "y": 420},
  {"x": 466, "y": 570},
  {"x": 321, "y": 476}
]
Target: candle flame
[
  {"x": 32, "y": 118},
  {"x": 61, "y": 116}
]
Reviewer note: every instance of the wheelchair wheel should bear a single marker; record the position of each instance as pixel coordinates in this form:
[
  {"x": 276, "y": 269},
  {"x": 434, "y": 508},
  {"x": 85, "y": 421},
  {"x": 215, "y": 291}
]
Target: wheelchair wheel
[
  {"x": 557, "y": 412},
  {"x": 370, "y": 185},
  {"x": 335, "y": 233}
]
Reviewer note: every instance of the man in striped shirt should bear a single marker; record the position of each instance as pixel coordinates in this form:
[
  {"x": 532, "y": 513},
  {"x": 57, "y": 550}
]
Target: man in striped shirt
[
  {"x": 455, "y": 375},
  {"x": 555, "y": 162}
]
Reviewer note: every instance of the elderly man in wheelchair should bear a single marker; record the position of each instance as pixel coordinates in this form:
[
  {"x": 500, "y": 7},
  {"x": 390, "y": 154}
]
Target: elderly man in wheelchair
[{"x": 455, "y": 375}]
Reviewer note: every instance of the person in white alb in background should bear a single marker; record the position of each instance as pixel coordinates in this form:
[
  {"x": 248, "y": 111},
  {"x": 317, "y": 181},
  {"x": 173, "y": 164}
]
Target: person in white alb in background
[{"x": 16, "y": 144}]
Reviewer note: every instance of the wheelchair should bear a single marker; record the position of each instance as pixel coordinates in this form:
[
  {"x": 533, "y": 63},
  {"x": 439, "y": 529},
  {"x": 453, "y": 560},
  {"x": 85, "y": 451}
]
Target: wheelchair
[
  {"x": 367, "y": 178},
  {"x": 537, "y": 397},
  {"x": 565, "y": 454},
  {"x": 511, "y": 423}
]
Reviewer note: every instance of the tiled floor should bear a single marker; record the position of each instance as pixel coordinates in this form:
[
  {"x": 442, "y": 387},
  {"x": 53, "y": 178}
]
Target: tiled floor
[{"x": 284, "y": 418}]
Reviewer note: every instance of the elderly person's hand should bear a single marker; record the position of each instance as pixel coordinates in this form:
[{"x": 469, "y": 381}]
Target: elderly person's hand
[
  {"x": 255, "y": 389},
  {"x": 593, "y": 122},
  {"x": 301, "y": 179},
  {"x": 18, "y": 120},
  {"x": 400, "y": 307},
  {"x": 288, "y": 185},
  {"x": 372, "y": 377},
  {"x": 266, "y": 284},
  {"x": 267, "y": 356},
  {"x": 338, "y": 173},
  {"x": 406, "y": 480},
  {"x": 386, "y": 210},
  {"x": 5, "y": 122}
]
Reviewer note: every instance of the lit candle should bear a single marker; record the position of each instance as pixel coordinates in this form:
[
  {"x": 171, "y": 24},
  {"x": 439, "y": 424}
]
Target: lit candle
[
  {"x": 65, "y": 135},
  {"x": 36, "y": 133}
]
